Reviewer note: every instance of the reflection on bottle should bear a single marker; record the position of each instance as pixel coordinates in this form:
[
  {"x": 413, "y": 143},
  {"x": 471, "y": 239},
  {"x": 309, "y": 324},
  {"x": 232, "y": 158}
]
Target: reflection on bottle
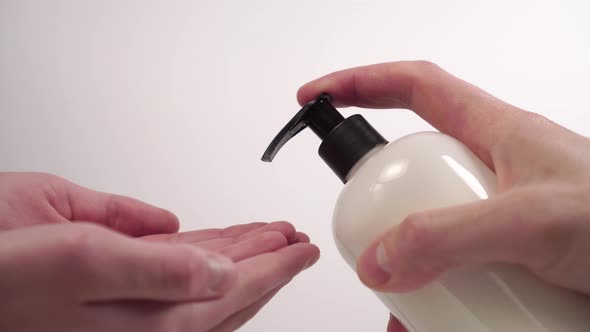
[{"x": 469, "y": 178}]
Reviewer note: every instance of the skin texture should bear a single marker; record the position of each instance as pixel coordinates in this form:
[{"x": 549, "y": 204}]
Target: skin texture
[
  {"x": 72, "y": 259},
  {"x": 538, "y": 219}
]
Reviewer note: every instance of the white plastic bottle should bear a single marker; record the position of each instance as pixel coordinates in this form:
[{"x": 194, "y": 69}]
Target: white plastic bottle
[{"x": 384, "y": 183}]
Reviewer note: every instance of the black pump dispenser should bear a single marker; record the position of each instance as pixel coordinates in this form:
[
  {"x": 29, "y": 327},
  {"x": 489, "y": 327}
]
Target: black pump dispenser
[{"x": 344, "y": 141}]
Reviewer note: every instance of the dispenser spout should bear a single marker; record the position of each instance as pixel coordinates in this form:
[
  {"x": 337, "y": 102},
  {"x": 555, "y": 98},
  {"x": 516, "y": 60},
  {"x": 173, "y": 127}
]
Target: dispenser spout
[
  {"x": 344, "y": 141},
  {"x": 319, "y": 115}
]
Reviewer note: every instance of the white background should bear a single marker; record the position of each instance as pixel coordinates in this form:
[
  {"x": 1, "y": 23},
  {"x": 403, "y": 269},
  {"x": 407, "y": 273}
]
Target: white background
[{"x": 173, "y": 102}]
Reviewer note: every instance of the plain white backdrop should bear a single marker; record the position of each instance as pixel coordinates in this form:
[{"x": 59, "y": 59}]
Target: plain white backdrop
[{"x": 173, "y": 102}]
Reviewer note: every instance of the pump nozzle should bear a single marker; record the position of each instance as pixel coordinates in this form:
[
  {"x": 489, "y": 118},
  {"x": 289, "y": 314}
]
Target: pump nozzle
[
  {"x": 344, "y": 141},
  {"x": 319, "y": 115}
]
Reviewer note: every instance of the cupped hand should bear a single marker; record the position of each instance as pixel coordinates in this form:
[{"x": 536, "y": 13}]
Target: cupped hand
[
  {"x": 82, "y": 276},
  {"x": 538, "y": 218}
]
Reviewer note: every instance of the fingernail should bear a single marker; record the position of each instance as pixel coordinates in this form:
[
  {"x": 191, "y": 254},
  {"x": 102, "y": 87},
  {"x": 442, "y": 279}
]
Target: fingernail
[
  {"x": 373, "y": 266},
  {"x": 222, "y": 273}
]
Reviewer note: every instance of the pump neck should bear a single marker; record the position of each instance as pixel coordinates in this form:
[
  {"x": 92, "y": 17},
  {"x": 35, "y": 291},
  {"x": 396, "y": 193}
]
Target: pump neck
[{"x": 344, "y": 141}]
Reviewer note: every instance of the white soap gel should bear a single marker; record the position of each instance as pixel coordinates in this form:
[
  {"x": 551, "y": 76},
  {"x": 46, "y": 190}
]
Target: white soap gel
[{"x": 385, "y": 182}]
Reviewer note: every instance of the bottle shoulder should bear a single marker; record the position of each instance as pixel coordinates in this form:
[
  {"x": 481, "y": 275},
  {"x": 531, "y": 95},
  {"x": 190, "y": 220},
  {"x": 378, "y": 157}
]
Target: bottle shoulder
[
  {"x": 421, "y": 164},
  {"x": 424, "y": 150}
]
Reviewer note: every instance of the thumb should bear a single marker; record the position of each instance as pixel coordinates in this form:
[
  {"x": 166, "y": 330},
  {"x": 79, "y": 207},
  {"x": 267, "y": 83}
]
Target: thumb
[
  {"x": 123, "y": 214},
  {"x": 394, "y": 325},
  {"x": 516, "y": 227}
]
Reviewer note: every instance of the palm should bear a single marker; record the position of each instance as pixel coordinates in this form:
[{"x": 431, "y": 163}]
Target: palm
[
  {"x": 268, "y": 256},
  {"x": 238, "y": 242}
]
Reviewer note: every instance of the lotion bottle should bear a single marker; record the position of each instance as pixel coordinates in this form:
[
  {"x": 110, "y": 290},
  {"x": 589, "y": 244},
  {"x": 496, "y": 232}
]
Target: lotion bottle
[{"x": 384, "y": 183}]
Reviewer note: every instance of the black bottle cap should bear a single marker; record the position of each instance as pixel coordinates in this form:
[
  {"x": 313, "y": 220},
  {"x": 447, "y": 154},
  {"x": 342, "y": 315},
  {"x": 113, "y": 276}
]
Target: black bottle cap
[{"x": 344, "y": 141}]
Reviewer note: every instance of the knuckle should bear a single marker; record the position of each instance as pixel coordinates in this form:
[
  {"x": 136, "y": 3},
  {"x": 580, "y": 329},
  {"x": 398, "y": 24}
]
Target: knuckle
[
  {"x": 535, "y": 119},
  {"x": 113, "y": 210},
  {"x": 76, "y": 243},
  {"x": 426, "y": 66},
  {"x": 283, "y": 227},
  {"x": 421, "y": 74},
  {"x": 415, "y": 237},
  {"x": 77, "y": 237},
  {"x": 179, "y": 272},
  {"x": 285, "y": 224},
  {"x": 557, "y": 225},
  {"x": 259, "y": 289},
  {"x": 552, "y": 246},
  {"x": 171, "y": 317},
  {"x": 526, "y": 122},
  {"x": 537, "y": 200},
  {"x": 548, "y": 238},
  {"x": 51, "y": 180},
  {"x": 416, "y": 253},
  {"x": 185, "y": 318},
  {"x": 45, "y": 176}
]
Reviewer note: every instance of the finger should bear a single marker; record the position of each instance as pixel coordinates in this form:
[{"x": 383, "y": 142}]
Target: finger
[
  {"x": 243, "y": 241},
  {"x": 221, "y": 244},
  {"x": 242, "y": 248},
  {"x": 394, "y": 325},
  {"x": 449, "y": 104},
  {"x": 206, "y": 234},
  {"x": 517, "y": 227},
  {"x": 123, "y": 214},
  {"x": 237, "y": 232},
  {"x": 258, "y": 276},
  {"x": 254, "y": 246},
  {"x": 240, "y": 318},
  {"x": 283, "y": 227},
  {"x": 301, "y": 238},
  {"x": 215, "y": 244},
  {"x": 110, "y": 267},
  {"x": 263, "y": 273}
]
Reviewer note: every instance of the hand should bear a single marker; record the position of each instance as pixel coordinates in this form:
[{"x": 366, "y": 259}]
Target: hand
[
  {"x": 82, "y": 276},
  {"x": 394, "y": 325},
  {"x": 539, "y": 217},
  {"x": 28, "y": 199}
]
